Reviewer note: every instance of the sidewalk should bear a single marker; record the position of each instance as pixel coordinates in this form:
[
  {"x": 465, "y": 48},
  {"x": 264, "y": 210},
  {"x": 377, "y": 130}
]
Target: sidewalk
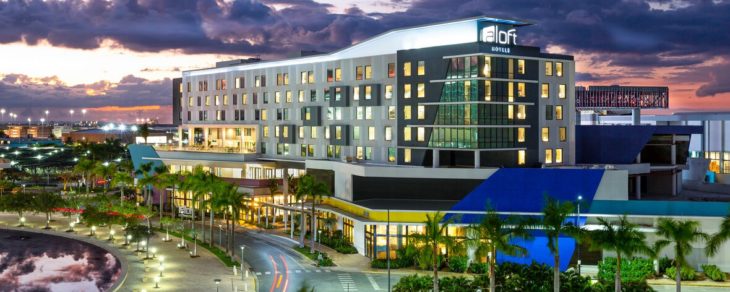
[{"x": 181, "y": 272}]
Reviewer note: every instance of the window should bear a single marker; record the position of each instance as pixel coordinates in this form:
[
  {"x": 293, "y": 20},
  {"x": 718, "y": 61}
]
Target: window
[
  {"x": 391, "y": 154},
  {"x": 244, "y": 98},
  {"x": 266, "y": 132},
  {"x": 225, "y": 99},
  {"x": 548, "y": 156},
  {"x": 548, "y": 112},
  {"x": 421, "y": 68},
  {"x": 521, "y": 90},
  {"x": 368, "y": 72},
  {"x": 407, "y": 134},
  {"x": 521, "y": 157},
  {"x": 220, "y": 115},
  {"x": 330, "y": 75},
  {"x": 359, "y": 113},
  {"x": 338, "y": 93},
  {"x": 288, "y": 96},
  {"x": 190, "y": 101},
  {"x": 510, "y": 91},
  {"x": 207, "y": 100},
  {"x": 548, "y": 68},
  {"x": 391, "y": 70},
  {"x": 407, "y": 155},
  {"x": 371, "y": 133},
  {"x": 421, "y": 90},
  {"x": 520, "y": 134},
  {"x": 368, "y": 92},
  {"x": 388, "y": 91},
  {"x": 421, "y": 112},
  {"x": 338, "y": 132},
  {"x": 388, "y": 133},
  {"x": 310, "y": 80},
  {"x": 313, "y": 95},
  {"x": 264, "y": 115},
  {"x": 217, "y": 100},
  {"x": 358, "y": 72},
  {"x": 520, "y": 66},
  {"x": 558, "y": 112},
  {"x": 545, "y": 90},
  {"x": 559, "y": 73},
  {"x": 391, "y": 112},
  {"x": 406, "y": 91},
  {"x": 356, "y": 93},
  {"x": 338, "y": 74},
  {"x": 359, "y": 153},
  {"x": 304, "y": 78},
  {"x": 487, "y": 90},
  {"x": 301, "y": 132},
  {"x": 510, "y": 112},
  {"x": 313, "y": 133},
  {"x": 407, "y": 69},
  {"x": 521, "y": 112},
  {"x": 487, "y": 70},
  {"x": 563, "y": 134},
  {"x": 368, "y": 113},
  {"x": 277, "y": 97},
  {"x": 356, "y": 133},
  {"x": 421, "y": 134},
  {"x": 559, "y": 155},
  {"x": 407, "y": 112},
  {"x": 561, "y": 91},
  {"x": 326, "y": 132},
  {"x": 545, "y": 134},
  {"x": 301, "y": 96},
  {"x": 235, "y": 99},
  {"x": 266, "y": 97}
]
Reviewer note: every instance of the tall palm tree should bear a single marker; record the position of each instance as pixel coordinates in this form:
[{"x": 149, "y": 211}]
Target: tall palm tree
[
  {"x": 65, "y": 176},
  {"x": 682, "y": 234},
  {"x": 622, "y": 237},
  {"x": 161, "y": 182},
  {"x": 273, "y": 186},
  {"x": 719, "y": 238},
  {"x": 84, "y": 167},
  {"x": 304, "y": 188},
  {"x": 144, "y": 131},
  {"x": 434, "y": 234},
  {"x": 495, "y": 234},
  {"x": 554, "y": 223},
  {"x": 147, "y": 178},
  {"x": 318, "y": 191},
  {"x": 105, "y": 170},
  {"x": 122, "y": 179}
]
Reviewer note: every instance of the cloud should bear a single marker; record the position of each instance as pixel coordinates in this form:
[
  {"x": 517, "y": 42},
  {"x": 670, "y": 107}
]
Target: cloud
[
  {"x": 719, "y": 81},
  {"x": 30, "y": 97}
]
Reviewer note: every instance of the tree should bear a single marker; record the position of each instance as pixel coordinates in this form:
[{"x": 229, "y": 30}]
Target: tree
[
  {"x": 622, "y": 237},
  {"x": 84, "y": 168},
  {"x": 310, "y": 187},
  {"x": 47, "y": 203},
  {"x": 495, "y": 234},
  {"x": 66, "y": 177},
  {"x": 434, "y": 234},
  {"x": 144, "y": 131},
  {"x": 273, "y": 186},
  {"x": 554, "y": 223},
  {"x": 122, "y": 179},
  {"x": 304, "y": 186},
  {"x": 105, "y": 170},
  {"x": 682, "y": 234},
  {"x": 146, "y": 179},
  {"x": 17, "y": 203},
  {"x": 719, "y": 238},
  {"x": 161, "y": 182}
]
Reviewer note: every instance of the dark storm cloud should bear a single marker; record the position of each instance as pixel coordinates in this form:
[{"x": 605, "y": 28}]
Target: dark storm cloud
[
  {"x": 31, "y": 96},
  {"x": 719, "y": 81}
]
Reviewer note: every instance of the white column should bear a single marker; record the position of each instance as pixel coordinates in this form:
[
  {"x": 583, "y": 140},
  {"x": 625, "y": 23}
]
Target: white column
[
  {"x": 180, "y": 137},
  {"x": 436, "y": 158},
  {"x": 191, "y": 133},
  {"x": 638, "y": 187},
  {"x": 636, "y": 116},
  {"x": 205, "y": 137},
  {"x": 674, "y": 150},
  {"x": 477, "y": 159}
]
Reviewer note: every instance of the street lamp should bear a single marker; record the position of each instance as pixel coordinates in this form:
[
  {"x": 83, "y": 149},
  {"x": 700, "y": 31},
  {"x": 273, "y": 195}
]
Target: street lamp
[
  {"x": 157, "y": 282},
  {"x": 577, "y": 224},
  {"x": 243, "y": 247},
  {"x": 154, "y": 251},
  {"x": 29, "y": 120},
  {"x": 22, "y": 222},
  {"x": 111, "y": 235}
]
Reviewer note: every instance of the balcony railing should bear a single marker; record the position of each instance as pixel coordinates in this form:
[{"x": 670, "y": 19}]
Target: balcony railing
[{"x": 200, "y": 148}]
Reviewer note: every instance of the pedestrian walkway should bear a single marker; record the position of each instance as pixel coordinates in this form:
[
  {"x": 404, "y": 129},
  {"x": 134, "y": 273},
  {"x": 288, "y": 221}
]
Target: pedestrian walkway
[{"x": 179, "y": 271}]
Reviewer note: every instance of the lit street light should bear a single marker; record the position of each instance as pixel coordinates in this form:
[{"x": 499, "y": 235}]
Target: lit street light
[
  {"x": 243, "y": 247},
  {"x": 2, "y": 113},
  {"x": 577, "y": 224}
]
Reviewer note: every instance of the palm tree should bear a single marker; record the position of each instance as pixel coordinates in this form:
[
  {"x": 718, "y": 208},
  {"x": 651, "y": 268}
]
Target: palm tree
[
  {"x": 122, "y": 179},
  {"x": 104, "y": 170},
  {"x": 273, "y": 186},
  {"x": 304, "y": 188},
  {"x": 146, "y": 179},
  {"x": 682, "y": 234},
  {"x": 84, "y": 168},
  {"x": 310, "y": 187},
  {"x": 554, "y": 223},
  {"x": 622, "y": 237},
  {"x": 495, "y": 234},
  {"x": 434, "y": 234},
  {"x": 161, "y": 182},
  {"x": 65, "y": 176},
  {"x": 719, "y": 238},
  {"x": 144, "y": 131}
]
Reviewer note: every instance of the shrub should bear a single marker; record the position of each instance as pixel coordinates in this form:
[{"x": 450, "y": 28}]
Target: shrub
[
  {"x": 625, "y": 287},
  {"x": 407, "y": 255},
  {"x": 686, "y": 273},
  {"x": 456, "y": 284},
  {"x": 665, "y": 263},
  {"x": 325, "y": 261},
  {"x": 633, "y": 270},
  {"x": 383, "y": 264},
  {"x": 414, "y": 283},
  {"x": 478, "y": 268},
  {"x": 458, "y": 264},
  {"x": 570, "y": 280},
  {"x": 714, "y": 273},
  {"x": 346, "y": 249}
]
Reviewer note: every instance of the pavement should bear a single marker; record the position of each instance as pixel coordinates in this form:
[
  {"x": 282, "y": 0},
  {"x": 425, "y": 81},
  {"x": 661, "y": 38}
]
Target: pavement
[{"x": 181, "y": 272}]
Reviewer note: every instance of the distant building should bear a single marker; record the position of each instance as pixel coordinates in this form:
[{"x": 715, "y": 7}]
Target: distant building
[
  {"x": 98, "y": 136},
  {"x": 38, "y": 132}
]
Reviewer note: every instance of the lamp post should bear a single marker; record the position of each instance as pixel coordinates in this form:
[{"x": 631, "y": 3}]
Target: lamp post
[
  {"x": 46, "y": 112},
  {"x": 243, "y": 247},
  {"x": 387, "y": 246},
  {"x": 83, "y": 113},
  {"x": 29, "y": 120},
  {"x": 577, "y": 224},
  {"x": 220, "y": 235},
  {"x": 157, "y": 282},
  {"x": 111, "y": 235}
]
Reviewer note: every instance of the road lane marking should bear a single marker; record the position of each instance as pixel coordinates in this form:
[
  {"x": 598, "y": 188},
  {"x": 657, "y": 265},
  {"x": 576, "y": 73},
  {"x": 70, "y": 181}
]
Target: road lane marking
[
  {"x": 267, "y": 273},
  {"x": 286, "y": 271},
  {"x": 348, "y": 284},
  {"x": 372, "y": 282}
]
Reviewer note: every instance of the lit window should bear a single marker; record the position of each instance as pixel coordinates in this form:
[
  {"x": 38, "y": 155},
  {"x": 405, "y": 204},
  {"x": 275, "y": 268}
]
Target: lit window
[
  {"x": 356, "y": 93},
  {"x": 276, "y": 131},
  {"x": 561, "y": 91},
  {"x": 558, "y": 112},
  {"x": 288, "y": 96},
  {"x": 359, "y": 113},
  {"x": 358, "y": 72},
  {"x": 559, "y": 73},
  {"x": 266, "y": 132},
  {"x": 368, "y": 92},
  {"x": 548, "y": 68},
  {"x": 406, "y": 91},
  {"x": 277, "y": 97},
  {"x": 559, "y": 155},
  {"x": 407, "y": 69},
  {"x": 388, "y": 91},
  {"x": 407, "y": 112},
  {"x": 338, "y": 74},
  {"x": 225, "y": 99},
  {"x": 327, "y": 132},
  {"x": 264, "y": 115},
  {"x": 391, "y": 154},
  {"x": 407, "y": 155},
  {"x": 391, "y": 70},
  {"x": 388, "y": 133},
  {"x": 510, "y": 112},
  {"x": 563, "y": 134},
  {"x": 548, "y": 156},
  {"x": 313, "y": 133},
  {"x": 421, "y": 68},
  {"x": 521, "y": 89},
  {"x": 421, "y": 134},
  {"x": 338, "y": 132},
  {"x": 371, "y": 133},
  {"x": 368, "y": 72},
  {"x": 244, "y": 98},
  {"x": 369, "y": 113},
  {"x": 407, "y": 134},
  {"x": 391, "y": 112},
  {"x": 207, "y": 100},
  {"x": 421, "y": 112},
  {"x": 521, "y": 112},
  {"x": 545, "y": 134},
  {"x": 510, "y": 91},
  {"x": 545, "y": 90},
  {"x": 301, "y": 95},
  {"x": 521, "y": 157},
  {"x": 487, "y": 90},
  {"x": 358, "y": 153},
  {"x": 301, "y": 132},
  {"x": 487, "y": 70},
  {"x": 520, "y": 66},
  {"x": 421, "y": 90},
  {"x": 520, "y": 134},
  {"x": 356, "y": 133}
]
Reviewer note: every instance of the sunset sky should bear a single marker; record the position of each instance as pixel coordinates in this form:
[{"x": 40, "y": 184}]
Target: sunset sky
[{"x": 116, "y": 58}]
